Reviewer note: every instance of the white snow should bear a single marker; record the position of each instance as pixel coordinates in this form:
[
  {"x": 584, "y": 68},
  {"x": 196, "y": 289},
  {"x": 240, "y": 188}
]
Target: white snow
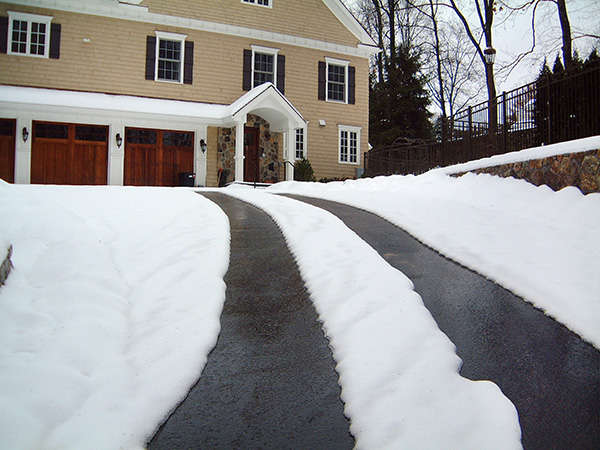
[
  {"x": 577, "y": 146},
  {"x": 114, "y": 300},
  {"x": 540, "y": 244},
  {"x": 398, "y": 371},
  {"x": 108, "y": 315}
]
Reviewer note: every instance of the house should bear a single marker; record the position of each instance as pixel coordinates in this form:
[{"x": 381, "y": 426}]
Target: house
[{"x": 137, "y": 92}]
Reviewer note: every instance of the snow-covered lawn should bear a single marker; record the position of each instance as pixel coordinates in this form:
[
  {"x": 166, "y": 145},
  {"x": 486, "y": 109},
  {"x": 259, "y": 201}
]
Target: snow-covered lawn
[
  {"x": 114, "y": 302},
  {"x": 109, "y": 313}
]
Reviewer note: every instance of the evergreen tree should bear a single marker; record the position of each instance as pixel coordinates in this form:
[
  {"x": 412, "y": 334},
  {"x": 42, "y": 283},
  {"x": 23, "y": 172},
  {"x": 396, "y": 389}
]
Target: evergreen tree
[{"x": 398, "y": 104}]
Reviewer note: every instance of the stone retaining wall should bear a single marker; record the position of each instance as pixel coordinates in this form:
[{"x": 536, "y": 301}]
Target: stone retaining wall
[
  {"x": 6, "y": 266},
  {"x": 581, "y": 170}
]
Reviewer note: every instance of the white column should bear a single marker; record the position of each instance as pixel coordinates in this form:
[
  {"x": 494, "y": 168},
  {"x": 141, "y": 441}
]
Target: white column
[
  {"x": 23, "y": 151},
  {"x": 239, "y": 149},
  {"x": 290, "y": 158},
  {"x": 116, "y": 155},
  {"x": 200, "y": 160}
]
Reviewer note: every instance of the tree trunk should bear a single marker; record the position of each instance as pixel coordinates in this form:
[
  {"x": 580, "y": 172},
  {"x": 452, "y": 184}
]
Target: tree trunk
[{"x": 566, "y": 33}]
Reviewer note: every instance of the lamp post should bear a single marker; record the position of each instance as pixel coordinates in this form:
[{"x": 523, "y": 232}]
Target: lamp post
[{"x": 489, "y": 55}]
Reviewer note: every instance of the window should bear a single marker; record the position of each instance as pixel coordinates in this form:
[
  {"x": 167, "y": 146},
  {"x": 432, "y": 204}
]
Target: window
[
  {"x": 169, "y": 57},
  {"x": 300, "y": 143},
  {"x": 337, "y": 81},
  {"x": 263, "y": 65},
  {"x": 349, "y": 144},
  {"x": 169, "y": 61},
  {"x": 264, "y": 68},
  {"x": 266, "y": 3},
  {"x": 29, "y": 34}
]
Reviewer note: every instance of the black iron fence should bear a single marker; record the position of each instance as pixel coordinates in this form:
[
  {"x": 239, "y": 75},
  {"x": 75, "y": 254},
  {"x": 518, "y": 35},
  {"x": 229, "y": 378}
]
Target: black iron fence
[{"x": 556, "y": 108}]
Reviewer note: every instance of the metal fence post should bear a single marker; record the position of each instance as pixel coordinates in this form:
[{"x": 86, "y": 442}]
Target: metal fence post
[{"x": 504, "y": 123}]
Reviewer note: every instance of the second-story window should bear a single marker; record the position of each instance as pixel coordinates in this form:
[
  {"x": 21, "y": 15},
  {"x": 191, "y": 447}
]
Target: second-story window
[
  {"x": 337, "y": 81},
  {"x": 263, "y": 65},
  {"x": 264, "y": 68},
  {"x": 29, "y": 34},
  {"x": 169, "y": 57},
  {"x": 170, "y": 54}
]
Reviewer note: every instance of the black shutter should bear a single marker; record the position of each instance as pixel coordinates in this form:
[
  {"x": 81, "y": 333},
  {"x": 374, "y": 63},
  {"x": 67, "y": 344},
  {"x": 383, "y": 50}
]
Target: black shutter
[
  {"x": 3, "y": 34},
  {"x": 322, "y": 80},
  {"x": 55, "y": 41},
  {"x": 281, "y": 73},
  {"x": 188, "y": 66},
  {"x": 247, "y": 74},
  {"x": 351, "y": 85},
  {"x": 150, "y": 57}
]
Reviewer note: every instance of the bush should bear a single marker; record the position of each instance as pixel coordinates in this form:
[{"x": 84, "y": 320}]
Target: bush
[{"x": 303, "y": 171}]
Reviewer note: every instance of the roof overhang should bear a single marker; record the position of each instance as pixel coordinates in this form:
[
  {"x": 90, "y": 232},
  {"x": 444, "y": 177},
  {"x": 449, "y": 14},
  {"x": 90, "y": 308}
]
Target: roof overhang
[{"x": 265, "y": 101}]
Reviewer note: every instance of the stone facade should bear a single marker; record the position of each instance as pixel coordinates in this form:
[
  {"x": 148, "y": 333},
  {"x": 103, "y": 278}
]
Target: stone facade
[
  {"x": 581, "y": 170},
  {"x": 270, "y": 170}
]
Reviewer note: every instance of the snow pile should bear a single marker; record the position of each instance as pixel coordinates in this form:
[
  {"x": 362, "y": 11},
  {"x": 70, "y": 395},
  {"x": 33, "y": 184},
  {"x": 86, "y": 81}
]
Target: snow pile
[
  {"x": 398, "y": 371},
  {"x": 540, "y": 244},
  {"x": 109, "y": 313}
]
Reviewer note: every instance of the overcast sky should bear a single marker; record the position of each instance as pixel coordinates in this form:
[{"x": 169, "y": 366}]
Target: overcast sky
[{"x": 513, "y": 35}]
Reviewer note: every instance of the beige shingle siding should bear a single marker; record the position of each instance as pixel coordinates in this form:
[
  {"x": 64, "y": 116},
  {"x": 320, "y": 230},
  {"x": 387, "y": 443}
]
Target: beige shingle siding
[
  {"x": 114, "y": 61},
  {"x": 304, "y": 18}
]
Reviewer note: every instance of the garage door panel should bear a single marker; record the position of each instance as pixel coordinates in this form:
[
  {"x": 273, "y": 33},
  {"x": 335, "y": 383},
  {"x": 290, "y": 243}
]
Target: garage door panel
[
  {"x": 156, "y": 157},
  {"x": 7, "y": 149},
  {"x": 61, "y": 154}
]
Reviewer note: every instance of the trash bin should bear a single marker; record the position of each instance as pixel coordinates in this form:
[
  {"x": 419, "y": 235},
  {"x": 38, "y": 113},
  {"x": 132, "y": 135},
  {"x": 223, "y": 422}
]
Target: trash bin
[{"x": 187, "y": 179}]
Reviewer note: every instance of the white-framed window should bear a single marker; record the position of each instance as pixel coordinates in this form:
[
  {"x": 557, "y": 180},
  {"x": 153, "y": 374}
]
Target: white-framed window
[
  {"x": 29, "y": 34},
  {"x": 337, "y": 80},
  {"x": 264, "y": 65},
  {"x": 170, "y": 55},
  {"x": 265, "y": 3},
  {"x": 349, "y": 144},
  {"x": 300, "y": 147}
]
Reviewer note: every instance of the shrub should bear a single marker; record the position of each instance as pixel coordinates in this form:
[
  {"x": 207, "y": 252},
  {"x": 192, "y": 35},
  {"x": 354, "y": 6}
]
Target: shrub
[{"x": 303, "y": 171}]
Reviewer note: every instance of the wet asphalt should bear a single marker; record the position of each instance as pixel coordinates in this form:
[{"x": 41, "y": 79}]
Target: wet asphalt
[
  {"x": 270, "y": 381},
  {"x": 547, "y": 371}
]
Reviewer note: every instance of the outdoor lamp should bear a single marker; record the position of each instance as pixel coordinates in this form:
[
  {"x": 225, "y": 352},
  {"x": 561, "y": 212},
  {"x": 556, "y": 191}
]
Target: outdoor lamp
[
  {"x": 25, "y": 134},
  {"x": 203, "y": 146},
  {"x": 119, "y": 140},
  {"x": 489, "y": 54}
]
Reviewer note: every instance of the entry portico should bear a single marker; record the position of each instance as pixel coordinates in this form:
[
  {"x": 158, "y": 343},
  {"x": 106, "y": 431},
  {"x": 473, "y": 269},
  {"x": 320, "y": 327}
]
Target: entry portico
[{"x": 145, "y": 139}]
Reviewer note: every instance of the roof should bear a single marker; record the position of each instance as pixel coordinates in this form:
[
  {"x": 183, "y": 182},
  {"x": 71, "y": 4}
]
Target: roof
[{"x": 264, "y": 100}]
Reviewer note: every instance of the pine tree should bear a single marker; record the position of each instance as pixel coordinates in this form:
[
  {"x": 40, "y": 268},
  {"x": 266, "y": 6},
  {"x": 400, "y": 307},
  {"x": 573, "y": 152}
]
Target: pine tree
[{"x": 398, "y": 104}]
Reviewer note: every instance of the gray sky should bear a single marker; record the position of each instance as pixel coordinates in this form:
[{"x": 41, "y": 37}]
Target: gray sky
[{"x": 513, "y": 36}]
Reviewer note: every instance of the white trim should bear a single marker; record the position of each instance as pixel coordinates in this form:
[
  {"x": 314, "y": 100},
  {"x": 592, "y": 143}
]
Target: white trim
[
  {"x": 175, "y": 37},
  {"x": 349, "y": 129},
  {"x": 140, "y": 13},
  {"x": 254, "y": 3},
  {"x": 30, "y": 19}
]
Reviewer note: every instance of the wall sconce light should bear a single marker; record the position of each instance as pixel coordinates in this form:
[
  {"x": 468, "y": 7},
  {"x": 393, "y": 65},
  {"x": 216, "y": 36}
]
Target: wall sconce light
[
  {"x": 25, "y": 134},
  {"x": 203, "y": 146},
  {"x": 119, "y": 140},
  {"x": 322, "y": 122}
]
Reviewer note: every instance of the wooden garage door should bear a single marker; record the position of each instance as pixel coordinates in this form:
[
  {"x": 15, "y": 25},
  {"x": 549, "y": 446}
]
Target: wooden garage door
[
  {"x": 156, "y": 157},
  {"x": 7, "y": 150},
  {"x": 67, "y": 153}
]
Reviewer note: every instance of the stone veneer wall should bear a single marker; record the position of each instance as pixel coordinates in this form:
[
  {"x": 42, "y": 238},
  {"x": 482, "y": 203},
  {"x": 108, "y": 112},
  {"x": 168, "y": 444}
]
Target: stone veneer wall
[
  {"x": 269, "y": 143},
  {"x": 581, "y": 170}
]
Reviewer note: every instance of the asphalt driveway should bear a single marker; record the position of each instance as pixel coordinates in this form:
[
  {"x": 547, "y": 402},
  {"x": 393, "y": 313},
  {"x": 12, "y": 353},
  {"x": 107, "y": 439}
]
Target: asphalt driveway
[{"x": 550, "y": 374}]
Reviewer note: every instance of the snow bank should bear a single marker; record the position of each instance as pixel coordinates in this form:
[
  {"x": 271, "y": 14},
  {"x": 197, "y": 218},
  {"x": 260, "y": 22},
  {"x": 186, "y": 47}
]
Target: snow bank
[
  {"x": 540, "y": 244},
  {"x": 398, "y": 371},
  {"x": 576, "y": 146},
  {"x": 109, "y": 313}
]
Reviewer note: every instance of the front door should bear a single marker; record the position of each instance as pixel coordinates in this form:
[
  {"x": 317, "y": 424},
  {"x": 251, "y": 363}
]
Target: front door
[{"x": 251, "y": 157}]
